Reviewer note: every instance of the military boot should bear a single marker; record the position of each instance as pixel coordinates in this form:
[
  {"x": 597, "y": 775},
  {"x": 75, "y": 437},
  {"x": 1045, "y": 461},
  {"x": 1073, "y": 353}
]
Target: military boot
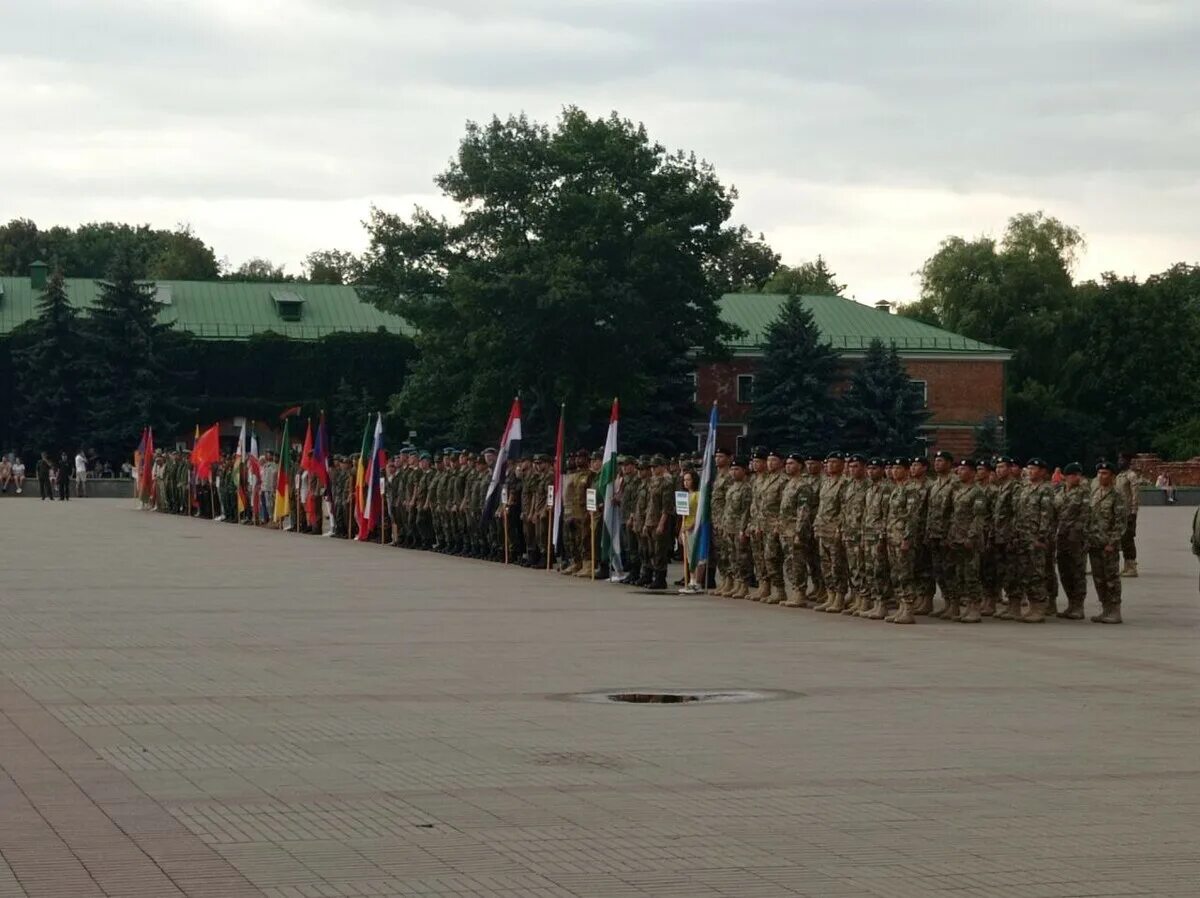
[
  {"x": 1073, "y": 611},
  {"x": 988, "y": 607},
  {"x": 839, "y": 604},
  {"x": 798, "y": 602},
  {"x": 1034, "y": 614},
  {"x": 826, "y": 600},
  {"x": 1011, "y": 610},
  {"x": 972, "y": 613},
  {"x": 904, "y": 614},
  {"x": 922, "y": 605},
  {"x": 659, "y": 581},
  {"x": 1050, "y": 609},
  {"x": 854, "y": 606},
  {"x": 739, "y": 590},
  {"x": 1111, "y": 614},
  {"x": 875, "y": 612},
  {"x": 1130, "y": 570},
  {"x": 778, "y": 594},
  {"x": 764, "y": 590}
]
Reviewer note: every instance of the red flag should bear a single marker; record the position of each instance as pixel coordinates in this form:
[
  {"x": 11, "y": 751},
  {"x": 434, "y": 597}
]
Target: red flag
[
  {"x": 206, "y": 451},
  {"x": 288, "y": 412},
  {"x": 306, "y": 463},
  {"x": 148, "y": 485}
]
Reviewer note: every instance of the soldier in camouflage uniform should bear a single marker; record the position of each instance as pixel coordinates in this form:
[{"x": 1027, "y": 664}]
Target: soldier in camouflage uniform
[
  {"x": 922, "y": 557},
  {"x": 789, "y": 519},
  {"x": 903, "y": 526},
  {"x": 1106, "y": 528},
  {"x": 631, "y": 485},
  {"x": 877, "y": 578},
  {"x": 1035, "y": 530},
  {"x": 659, "y": 518},
  {"x": 736, "y": 523},
  {"x": 719, "y": 551},
  {"x": 989, "y": 575},
  {"x": 965, "y": 530},
  {"x": 637, "y": 519},
  {"x": 854, "y": 500},
  {"x": 758, "y": 473},
  {"x": 827, "y": 527},
  {"x": 1073, "y": 512},
  {"x": 770, "y": 491},
  {"x": 808, "y": 572},
  {"x": 1004, "y": 535},
  {"x": 941, "y": 497},
  {"x": 1127, "y": 484}
]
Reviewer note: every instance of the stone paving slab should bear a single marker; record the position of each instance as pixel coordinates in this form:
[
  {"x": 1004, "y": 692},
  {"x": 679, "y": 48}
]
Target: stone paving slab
[{"x": 189, "y": 708}]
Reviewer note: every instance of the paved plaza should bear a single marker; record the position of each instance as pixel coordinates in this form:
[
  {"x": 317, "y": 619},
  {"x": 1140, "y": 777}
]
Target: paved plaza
[{"x": 209, "y": 710}]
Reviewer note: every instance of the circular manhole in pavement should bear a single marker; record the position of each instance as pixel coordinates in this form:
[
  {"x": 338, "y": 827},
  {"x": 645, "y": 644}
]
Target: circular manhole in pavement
[{"x": 676, "y": 696}]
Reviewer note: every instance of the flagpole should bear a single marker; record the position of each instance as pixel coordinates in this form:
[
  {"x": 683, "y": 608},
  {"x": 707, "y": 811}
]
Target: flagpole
[
  {"x": 505, "y": 513},
  {"x": 592, "y": 558},
  {"x": 686, "y": 573}
]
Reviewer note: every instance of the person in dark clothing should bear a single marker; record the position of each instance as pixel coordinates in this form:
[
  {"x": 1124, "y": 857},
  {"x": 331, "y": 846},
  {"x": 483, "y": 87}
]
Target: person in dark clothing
[
  {"x": 43, "y": 475},
  {"x": 64, "y": 477}
]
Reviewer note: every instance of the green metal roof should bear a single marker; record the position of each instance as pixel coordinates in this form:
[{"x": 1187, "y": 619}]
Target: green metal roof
[
  {"x": 224, "y": 310},
  {"x": 846, "y": 325}
]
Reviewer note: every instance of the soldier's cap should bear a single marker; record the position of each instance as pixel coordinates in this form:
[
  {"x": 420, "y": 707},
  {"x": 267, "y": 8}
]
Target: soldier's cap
[
  {"x": 919, "y": 460},
  {"x": 540, "y": 456},
  {"x": 425, "y": 456},
  {"x": 738, "y": 463},
  {"x": 643, "y": 461},
  {"x": 877, "y": 462},
  {"x": 794, "y": 456},
  {"x": 986, "y": 463},
  {"x": 902, "y": 461},
  {"x": 596, "y": 455},
  {"x": 1037, "y": 462},
  {"x": 490, "y": 450},
  {"x": 813, "y": 456},
  {"x": 1073, "y": 468},
  {"x": 774, "y": 452},
  {"x": 835, "y": 456},
  {"x": 1006, "y": 460},
  {"x": 966, "y": 463},
  {"x": 1105, "y": 466},
  {"x": 721, "y": 451},
  {"x": 858, "y": 457},
  {"x": 942, "y": 453},
  {"x": 657, "y": 460}
]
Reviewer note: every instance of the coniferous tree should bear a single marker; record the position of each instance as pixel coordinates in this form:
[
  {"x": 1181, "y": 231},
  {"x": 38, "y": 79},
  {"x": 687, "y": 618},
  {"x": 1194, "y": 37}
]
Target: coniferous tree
[
  {"x": 794, "y": 405},
  {"x": 989, "y": 437},
  {"x": 883, "y": 414},
  {"x": 133, "y": 364},
  {"x": 47, "y": 366}
]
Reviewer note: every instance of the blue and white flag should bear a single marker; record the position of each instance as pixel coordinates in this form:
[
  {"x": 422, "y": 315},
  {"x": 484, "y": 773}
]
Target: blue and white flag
[{"x": 700, "y": 538}]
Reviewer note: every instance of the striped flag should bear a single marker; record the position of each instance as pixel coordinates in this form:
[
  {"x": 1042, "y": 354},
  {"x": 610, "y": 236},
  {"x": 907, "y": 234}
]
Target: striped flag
[
  {"x": 510, "y": 448},
  {"x": 610, "y": 539},
  {"x": 556, "y": 511},
  {"x": 701, "y": 536},
  {"x": 239, "y": 470},
  {"x": 360, "y": 477},
  {"x": 283, "y": 491},
  {"x": 373, "y": 502}
]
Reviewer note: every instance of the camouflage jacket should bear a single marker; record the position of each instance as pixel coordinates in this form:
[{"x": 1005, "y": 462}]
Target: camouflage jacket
[
  {"x": 1108, "y": 518},
  {"x": 1073, "y": 511},
  {"x": 968, "y": 516},
  {"x": 1035, "y": 513},
  {"x": 854, "y": 506}
]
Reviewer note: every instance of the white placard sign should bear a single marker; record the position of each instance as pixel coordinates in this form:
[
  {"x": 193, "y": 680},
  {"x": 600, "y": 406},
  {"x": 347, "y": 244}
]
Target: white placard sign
[
  {"x": 681, "y": 503},
  {"x": 503, "y": 495},
  {"x": 549, "y": 495},
  {"x": 591, "y": 500}
]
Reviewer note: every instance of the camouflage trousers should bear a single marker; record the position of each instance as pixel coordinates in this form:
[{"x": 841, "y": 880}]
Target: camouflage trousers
[
  {"x": 1031, "y": 572},
  {"x": 989, "y": 571},
  {"x": 962, "y": 573},
  {"x": 856, "y": 565},
  {"x": 811, "y": 558},
  {"x": 661, "y": 544},
  {"x": 1106, "y": 574},
  {"x": 1072, "y": 570},
  {"x": 926, "y": 584},
  {"x": 718, "y": 551},
  {"x": 901, "y": 572},
  {"x": 942, "y": 560},
  {"x": 878, "y": 584},
  {"x": 833, "y": 565},
  {"x": 758, "y": 553},
  {"x": 741, "y": 561},
  {"x": 795, "y": 564},
  {"x": 1128, "y": 546},
  {"x": 1007, "y": 558},
  {"x": 773, "y": 557}
]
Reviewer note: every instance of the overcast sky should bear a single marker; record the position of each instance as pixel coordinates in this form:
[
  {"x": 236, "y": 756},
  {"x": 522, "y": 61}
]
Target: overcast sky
[{"x": 864, "y": 131}]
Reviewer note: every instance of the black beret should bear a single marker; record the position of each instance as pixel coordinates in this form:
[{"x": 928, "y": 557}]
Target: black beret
[
  {"x": 597, "y": 455},
  {"x": 877, "y": 462},
  {"x": 834, "y": 455},
  {"x": 738, "y": 463},
  {"x": 721, "y": 451},
  {"x": 1073, "y": 468},
  {"x": 858, "y": 457},
  {"x": 813, "y": 456},
  {"x": 919, "y": 460},
  {"x": 1105, "y": 466},
  {"x": 902, "y": 461},
  {"x": 760, "y": 452},
  {"x": 1006, "y": 460},
  {"x": 1037, "y": 462},
  {"x": 794, "y": 456},
  {"x": 966, "y": 463},
  {"x": 942, "y": 453},
  {"x": 774, "y": 452},
  {"x": 986, "y": 463}
]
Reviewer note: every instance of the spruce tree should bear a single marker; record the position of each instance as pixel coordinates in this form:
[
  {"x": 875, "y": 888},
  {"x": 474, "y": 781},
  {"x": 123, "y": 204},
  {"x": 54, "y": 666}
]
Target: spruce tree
[
  {"x": 882, "y": 413},
  {"x": 47, "y": 366},
  {"x": 133, "y": 360},
  {"x": 989, "y": 437},
  {"x": 794, "y": 407}
]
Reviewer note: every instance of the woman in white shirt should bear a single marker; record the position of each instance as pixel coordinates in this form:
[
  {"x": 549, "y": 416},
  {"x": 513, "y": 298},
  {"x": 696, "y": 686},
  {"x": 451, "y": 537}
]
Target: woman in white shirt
[
  {"x": 80, "y": 474},
  {"x": 18, "y": 474}
]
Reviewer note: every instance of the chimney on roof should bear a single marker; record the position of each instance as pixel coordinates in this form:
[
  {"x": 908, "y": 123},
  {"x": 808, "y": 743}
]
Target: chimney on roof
[
  {"x": 884, "y": 306},
  {"x": 38, "y": 272}
]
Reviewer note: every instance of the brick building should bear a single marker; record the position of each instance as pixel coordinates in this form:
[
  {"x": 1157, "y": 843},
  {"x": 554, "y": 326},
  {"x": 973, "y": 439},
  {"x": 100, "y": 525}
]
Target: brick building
[{"x": 960, "y": 380}]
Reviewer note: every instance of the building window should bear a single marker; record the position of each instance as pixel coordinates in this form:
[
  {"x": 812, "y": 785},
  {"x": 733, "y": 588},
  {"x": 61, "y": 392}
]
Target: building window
[
  {"x": 745, "y": 388},
  {"x": 921, "y": 388},
  {"x": 695, "y": 387},
  {"x": 739, "y": 447}
]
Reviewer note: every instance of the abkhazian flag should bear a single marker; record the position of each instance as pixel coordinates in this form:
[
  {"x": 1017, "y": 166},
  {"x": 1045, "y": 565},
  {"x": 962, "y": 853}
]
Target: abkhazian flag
[
  {"x": 556, "y": 511},
  {"x": 700, "y": 538},
  {"x": 610, "y": 538},
  {"x": 510, "y": 448},
  {"x": 283, "y": 492},
  {"x": 373, "y": 505}
]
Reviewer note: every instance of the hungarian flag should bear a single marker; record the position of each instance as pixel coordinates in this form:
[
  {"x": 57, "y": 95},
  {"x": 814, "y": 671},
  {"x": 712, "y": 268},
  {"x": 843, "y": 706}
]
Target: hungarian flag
[
  {"x": 700, "y": 538},
  {"x": 206, "y": 452},
  {"x": 610, "y": 539},
  {"x": 510, "y": 447},
  {"x": 556, "y": 510},
  {"x": 373, "y": 502},
  {"x": 283, "y": 493}
]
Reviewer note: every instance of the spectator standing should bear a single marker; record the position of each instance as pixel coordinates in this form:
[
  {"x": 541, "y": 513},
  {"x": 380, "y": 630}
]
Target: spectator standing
[
  {"x": 45, "y": 468},
  {"x": 64, "y": 476},
  {"x": 81, "y": 473}
]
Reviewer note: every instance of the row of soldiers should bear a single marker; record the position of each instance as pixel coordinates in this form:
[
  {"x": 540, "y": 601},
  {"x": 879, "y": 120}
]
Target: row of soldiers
[{"x": 877, "y": 538}]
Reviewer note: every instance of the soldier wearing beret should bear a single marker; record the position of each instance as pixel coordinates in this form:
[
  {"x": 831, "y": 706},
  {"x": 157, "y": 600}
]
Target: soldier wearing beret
[
  {"x": 828, "y": 528},
  {"x": 989, "y": 575},
  {"x": 964, "y": 539},
  {"x": 1106, "y": 528},
  {"x": 877, "y": 579},
  {"x": 789, "y": 520},
  {"x": 807, "y": 504},
  {"x": 771, "y": 587},
  {"x": 854, "y": 500},
  {"x": 923, "y": 558},
  {"x": 735, "y": 523},
  {"x": 1035, "y": 529},
  {"x": 1073, "y": 512},
  {"x": 941, "y": 498},
  {"x": 903, "y": 525}
]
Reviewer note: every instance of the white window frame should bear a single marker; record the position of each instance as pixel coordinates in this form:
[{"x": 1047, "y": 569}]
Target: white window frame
[
  {"x": 924, "y": 391},
  {"x": 738, "y": 389}
]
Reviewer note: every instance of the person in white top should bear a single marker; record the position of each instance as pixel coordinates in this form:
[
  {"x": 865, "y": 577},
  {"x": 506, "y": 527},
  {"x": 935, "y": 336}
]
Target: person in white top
[
  {"x": 80, "y": 474},
  {"x": 18, "y": 474}
]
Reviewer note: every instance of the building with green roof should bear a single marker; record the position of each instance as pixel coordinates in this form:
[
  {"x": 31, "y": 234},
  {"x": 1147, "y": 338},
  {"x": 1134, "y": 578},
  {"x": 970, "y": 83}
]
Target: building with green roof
[{"x": 960, "y": 380}]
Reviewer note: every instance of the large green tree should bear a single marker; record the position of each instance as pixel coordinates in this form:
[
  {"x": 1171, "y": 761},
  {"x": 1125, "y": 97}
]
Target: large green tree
[
  {"x": 807, "y": 279},
  {"x": 133, "y": 363},
  {"x": 48, "y": 366},
  {"x": 88, "y": 250},
  {"x": 881, "y": 413},
  {"x": 794, "y": 406},
  {"x": 331, "y": 266},
  {"x": 585, "y": 262}
]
